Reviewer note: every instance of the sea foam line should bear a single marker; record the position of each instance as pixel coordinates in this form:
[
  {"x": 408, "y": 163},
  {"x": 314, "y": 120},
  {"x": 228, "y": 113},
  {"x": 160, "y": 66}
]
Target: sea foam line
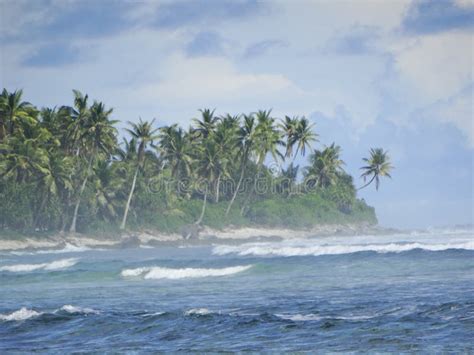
[
  {"x": 275, "y": 249},
  {"x": 156, "y": 272},
  {"x": 51, "y": 266}
]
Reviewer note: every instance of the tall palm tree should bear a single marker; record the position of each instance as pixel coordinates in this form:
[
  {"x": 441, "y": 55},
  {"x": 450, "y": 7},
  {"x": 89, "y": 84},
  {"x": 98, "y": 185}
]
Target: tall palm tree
[
  {"x": 267, "y": 140},
  {"x": 288, "y": 126},
  {"x": 207, "y": 170},
  {"x": 267, "y": 137},
  {"x": 226, "y": 140},
  {"x": 378, "y": 165},
  {"x": 144, "y": 134},
  {"x": 79, "y": 115},
  {"x": 245, "y": 141},
  {"x": 99, "y": 135},
  {"x": 325, "y": 166},
  {"x": 303, "y": 136}
]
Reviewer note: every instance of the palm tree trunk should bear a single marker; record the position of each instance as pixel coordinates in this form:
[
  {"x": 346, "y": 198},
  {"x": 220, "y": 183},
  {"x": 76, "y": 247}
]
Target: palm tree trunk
[
  {"x": 295, "y": 155},
  {"x": 218, "y": 183},
  {"x": 236, "y": 191},
  {"x": 203, "y": 209},
  {"x": 38, "y": 213},
  {"x": 72, "y": 229},
  {"x": 244, "y": 206},
  {"x": 124, "y": 220},
  {"x": 360, "y": 188},
  {"x": 65, "y": 211}
]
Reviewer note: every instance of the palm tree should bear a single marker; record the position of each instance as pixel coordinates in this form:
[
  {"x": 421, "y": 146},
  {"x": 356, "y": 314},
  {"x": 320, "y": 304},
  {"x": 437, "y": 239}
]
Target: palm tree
[
  {"x": 378, "y": 165},
  {"x": 99, "y": 135},
  {"x": 144, "y": 134},
  {"x": 288, "y": 126},
  {"x": 206, "y": 125},
  {"x": 55, "y": 180},
  {"x": 226, "y": 140},
  {"x": 245, "y": 145},
  {"x": 14, "y": 112},
  {"x": 176, "y": 151},
  {"x": 107, "y": 184},
  {"x": 22, "y": 159},
  {"x": 303, "y": 136},
  {"x": 207, "y": 170},
  {"x": 267, "y": 140},
  {"x": 325, "y": 166}
]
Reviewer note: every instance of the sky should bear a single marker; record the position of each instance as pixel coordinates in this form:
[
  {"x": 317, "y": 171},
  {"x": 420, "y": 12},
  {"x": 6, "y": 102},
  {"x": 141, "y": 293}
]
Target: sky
[{"x": 396, "y": 74}]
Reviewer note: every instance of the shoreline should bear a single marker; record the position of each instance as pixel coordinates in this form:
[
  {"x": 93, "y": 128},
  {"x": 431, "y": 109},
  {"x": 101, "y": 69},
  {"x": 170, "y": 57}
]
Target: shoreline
[{"x": 205, "y": 236}]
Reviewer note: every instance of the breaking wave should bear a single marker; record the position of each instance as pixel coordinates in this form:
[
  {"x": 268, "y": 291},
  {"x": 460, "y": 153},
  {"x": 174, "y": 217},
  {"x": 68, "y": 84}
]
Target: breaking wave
[
  {"x": 51, "y": 266},
  {"x": 280, "y": 249},
  {"x": 22, "y": 314},
  {"x": 73, "y": 309},
  {"x": 173, "y": 274},
  {"x": 198, "y": 312},
  {"x": 25, "y": 313}
]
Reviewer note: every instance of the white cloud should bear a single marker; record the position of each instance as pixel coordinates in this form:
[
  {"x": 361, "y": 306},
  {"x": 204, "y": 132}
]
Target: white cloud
[
  {"x": 437, "y": 66},
  {"x": 432, "y": 77},
  {"x": 460, "y": 112},
  {"x": 191, "y": 83}
]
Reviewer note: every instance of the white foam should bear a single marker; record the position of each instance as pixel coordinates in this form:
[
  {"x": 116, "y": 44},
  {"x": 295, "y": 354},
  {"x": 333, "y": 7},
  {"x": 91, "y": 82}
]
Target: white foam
[
  {"x": 173, "y": 274},
  {"x": 314, "y": 317},
  {"x": 54, "y": 265},
  {"x": 134, "y": 272},
  {"x": 68, "y": 248},
  {"x": 22, "y": 314},
  {"x": 299, "y": 317},
  {"x": 198, "y": 312},
  {"x": 73, "y": 309},
  {"x": 153, "y": 314},
  {"x": 282, "y": 249},
  {"x": 22, "y": 267},
  {"x": 25, "y": 313}
]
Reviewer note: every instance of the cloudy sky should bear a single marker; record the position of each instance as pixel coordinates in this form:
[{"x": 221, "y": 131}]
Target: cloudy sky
[{"x": 396, "y": 74}]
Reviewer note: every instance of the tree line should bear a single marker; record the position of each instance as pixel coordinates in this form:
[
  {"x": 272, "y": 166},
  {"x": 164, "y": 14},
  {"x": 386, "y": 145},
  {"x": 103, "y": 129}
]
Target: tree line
[{"x": 60, "y": 166}]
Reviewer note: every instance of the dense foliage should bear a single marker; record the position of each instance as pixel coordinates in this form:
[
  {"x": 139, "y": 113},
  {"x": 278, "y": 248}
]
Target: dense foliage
[{"x": 65, "y": 169}]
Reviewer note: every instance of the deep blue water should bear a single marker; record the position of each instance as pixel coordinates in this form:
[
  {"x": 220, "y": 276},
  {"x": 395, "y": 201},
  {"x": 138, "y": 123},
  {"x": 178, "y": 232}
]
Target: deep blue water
[{"x": 375, "y": 293}]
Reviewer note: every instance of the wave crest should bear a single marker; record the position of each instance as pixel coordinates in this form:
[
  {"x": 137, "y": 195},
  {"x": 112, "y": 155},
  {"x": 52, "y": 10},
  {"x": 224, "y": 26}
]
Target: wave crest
[
  {"x": 198, "y": 312},
  {"x": 54, "y": 265},
  {"x": 22, "y": 314},
  {"x": 25, "y": 313},
  {"x": 73, "y": 309},
  {"x": 317, "y": 250},
  {"x": 174, "y": 274}
]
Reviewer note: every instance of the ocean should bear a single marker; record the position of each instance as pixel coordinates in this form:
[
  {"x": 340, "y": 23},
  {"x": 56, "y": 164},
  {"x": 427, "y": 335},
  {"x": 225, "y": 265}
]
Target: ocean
[{"x": 407, "y": 292}]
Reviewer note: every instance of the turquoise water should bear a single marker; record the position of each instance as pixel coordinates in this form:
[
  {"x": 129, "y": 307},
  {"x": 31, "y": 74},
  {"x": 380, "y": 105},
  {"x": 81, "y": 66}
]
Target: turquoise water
[{"x": 406, "y": 292}]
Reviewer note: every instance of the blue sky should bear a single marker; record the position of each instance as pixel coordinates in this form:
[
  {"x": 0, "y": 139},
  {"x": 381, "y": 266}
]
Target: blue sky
[{"x": 396, "y": 74}]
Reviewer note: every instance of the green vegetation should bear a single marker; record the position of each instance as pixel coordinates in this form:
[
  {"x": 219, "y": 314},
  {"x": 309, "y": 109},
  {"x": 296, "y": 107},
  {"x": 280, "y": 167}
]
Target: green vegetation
[{"x": 63, "y": 169}]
